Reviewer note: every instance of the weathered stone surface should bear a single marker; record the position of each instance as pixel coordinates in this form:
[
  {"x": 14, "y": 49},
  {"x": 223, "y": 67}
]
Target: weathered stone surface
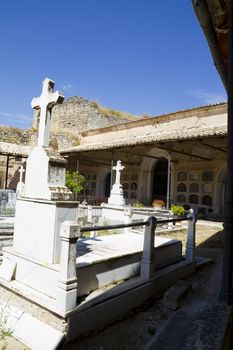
[
  {"x": 203, "y": 330},
  {"x": 8, "y": 134},
  {"x": 175, "y": 295},
  {"x": 78, "y": 114}
]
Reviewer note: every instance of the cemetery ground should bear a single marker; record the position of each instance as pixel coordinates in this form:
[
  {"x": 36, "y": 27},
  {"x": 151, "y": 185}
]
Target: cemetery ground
[
  {"x": 199, "y": 323},
  {"x": 145, "y": 327}
]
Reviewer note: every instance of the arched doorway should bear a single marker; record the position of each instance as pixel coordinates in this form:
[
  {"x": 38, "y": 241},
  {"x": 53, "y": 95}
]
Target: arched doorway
[
  {"x": 107, "y": 185},
  {"x": 159, "y": 185}
]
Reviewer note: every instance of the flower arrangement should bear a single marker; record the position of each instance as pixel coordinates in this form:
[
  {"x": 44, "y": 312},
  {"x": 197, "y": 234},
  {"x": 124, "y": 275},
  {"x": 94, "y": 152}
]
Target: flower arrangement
[{"x": 158, "y": 203}]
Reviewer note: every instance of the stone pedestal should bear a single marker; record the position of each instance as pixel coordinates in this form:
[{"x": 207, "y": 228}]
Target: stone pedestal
[
  {"x": 116, "y": 196},
  {"x": 45, "y": 177},
  {"x": 36, "y": 249},
  {"x": 37, "y": 225}
]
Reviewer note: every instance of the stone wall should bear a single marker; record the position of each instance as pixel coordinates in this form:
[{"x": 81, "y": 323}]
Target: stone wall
[
  {"x": 18, "y": 136},
  {"x": 78, "y": 114},
  {"x": 12, "y": 135},
  {"x": 69, "y": 119}
]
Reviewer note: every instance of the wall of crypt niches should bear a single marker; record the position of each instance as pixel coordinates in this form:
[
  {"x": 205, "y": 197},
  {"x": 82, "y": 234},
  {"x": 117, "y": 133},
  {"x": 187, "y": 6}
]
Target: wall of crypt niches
[
  {"x": 200, "y": 185},
  {"x": 97, "y": 183}
]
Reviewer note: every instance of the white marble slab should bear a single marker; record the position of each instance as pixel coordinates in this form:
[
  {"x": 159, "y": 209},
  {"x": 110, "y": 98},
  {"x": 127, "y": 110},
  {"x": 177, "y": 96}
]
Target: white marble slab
[{"x": 92, "y": 250}]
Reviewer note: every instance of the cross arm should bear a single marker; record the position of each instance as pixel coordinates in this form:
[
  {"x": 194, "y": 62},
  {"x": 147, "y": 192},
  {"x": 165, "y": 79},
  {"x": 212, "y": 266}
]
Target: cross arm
[
  {"x": 55, "y": 98},
  {"x": 35, "y": 103}
]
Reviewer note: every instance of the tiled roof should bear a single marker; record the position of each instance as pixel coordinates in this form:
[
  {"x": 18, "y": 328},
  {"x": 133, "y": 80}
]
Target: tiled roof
[
  {"x": 148, "y": 139},
  {"x": 12, "y": 149}
]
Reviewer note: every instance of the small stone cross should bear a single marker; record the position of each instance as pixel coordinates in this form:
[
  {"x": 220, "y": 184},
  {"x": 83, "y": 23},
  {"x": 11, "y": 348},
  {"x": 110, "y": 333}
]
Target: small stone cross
[
  {"x": 21, "y": 171},
  {"x": 118, "y": 168},
  {"x": 45, "y": 102}
]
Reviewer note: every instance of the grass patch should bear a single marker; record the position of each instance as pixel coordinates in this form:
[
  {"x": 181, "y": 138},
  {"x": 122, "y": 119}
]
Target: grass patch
[
  {"x": 108, "y": 112},
  {"x": 32, "y": 130},
  {"x": 207, "y": 237},
  {"x": 4, "y": 331},
  {"x": 11, "y": 128}
]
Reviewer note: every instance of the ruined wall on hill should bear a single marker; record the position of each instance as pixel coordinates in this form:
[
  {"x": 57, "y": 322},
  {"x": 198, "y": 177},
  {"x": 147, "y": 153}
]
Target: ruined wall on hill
[
  {"x": 12, "y": 135},
  {"x": 18, "y": 136},
  {"x": 78, "y": 114}
]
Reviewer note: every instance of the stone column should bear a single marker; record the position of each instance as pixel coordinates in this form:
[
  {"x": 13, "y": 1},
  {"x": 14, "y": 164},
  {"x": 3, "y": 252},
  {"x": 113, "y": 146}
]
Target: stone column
[
  {"x": 147, "y": 260},
  {"x": 66, "y": 297},
  {"x": 191, "y": 236}
]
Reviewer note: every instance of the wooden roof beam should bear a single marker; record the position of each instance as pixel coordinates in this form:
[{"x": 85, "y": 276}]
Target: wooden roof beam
[
  {"x": 184, "y": 153},
  {"x": 145, "y": 155},
  {"x": 214, "y": 147}
]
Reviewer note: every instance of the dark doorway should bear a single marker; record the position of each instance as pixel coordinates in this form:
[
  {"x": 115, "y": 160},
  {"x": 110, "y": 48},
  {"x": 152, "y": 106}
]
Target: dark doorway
[
  {"x": 159, "y": 189},
  {"x": 107, "y": 185}
]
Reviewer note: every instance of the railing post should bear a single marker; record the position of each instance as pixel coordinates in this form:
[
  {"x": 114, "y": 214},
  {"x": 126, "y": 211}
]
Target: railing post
[
  {"x": 89, "y": 214},
  {"x": 67, "y": 280},
  {"x": 147, "y": 260},
  {"x": 191, "y": 236},
  {"x": 170, "y": 224},
  {"x": 128, "y": 212}
]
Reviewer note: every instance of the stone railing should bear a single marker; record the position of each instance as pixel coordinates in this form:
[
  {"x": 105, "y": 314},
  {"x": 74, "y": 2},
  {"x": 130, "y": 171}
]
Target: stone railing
[
  {"x": 88, "y": 214},
  {"x": 71, "y": 231}
]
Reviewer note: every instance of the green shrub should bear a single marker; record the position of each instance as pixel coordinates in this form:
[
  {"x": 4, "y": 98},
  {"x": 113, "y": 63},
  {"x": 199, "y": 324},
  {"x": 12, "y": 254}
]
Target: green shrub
[
  {"x": 138, "y": 204},
  {"x": 75, "y": 181},
  {"x": 177, "y": 210}
]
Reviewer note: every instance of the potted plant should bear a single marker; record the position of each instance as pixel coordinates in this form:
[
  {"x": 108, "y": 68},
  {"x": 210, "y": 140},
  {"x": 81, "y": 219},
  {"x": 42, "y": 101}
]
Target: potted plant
[{"x": 158, "y": 203}]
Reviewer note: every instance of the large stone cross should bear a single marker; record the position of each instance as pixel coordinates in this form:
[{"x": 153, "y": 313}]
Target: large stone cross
[
  {"x": 45, "y": 102},
  {"x": 118, "y": 168}
]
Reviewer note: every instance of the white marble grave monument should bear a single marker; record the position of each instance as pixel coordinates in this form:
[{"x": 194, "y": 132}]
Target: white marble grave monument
[
  {"x": 116, "y": 195},
  {"x": 43, "y": 205}
]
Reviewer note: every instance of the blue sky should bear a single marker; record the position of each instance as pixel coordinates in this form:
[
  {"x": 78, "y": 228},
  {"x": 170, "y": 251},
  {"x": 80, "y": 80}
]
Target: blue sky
[{"x": 139, "y": 56}]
